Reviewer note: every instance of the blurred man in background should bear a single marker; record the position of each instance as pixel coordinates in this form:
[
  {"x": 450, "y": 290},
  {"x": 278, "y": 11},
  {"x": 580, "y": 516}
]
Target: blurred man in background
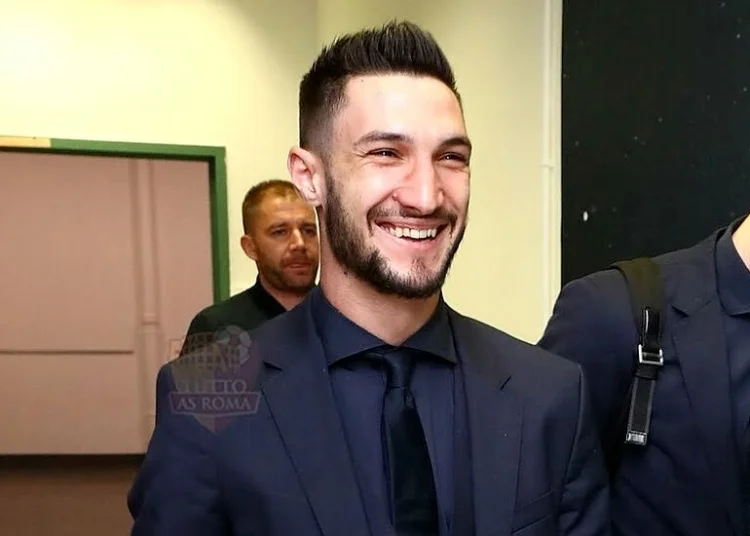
[{"x": 281, "y": 236}]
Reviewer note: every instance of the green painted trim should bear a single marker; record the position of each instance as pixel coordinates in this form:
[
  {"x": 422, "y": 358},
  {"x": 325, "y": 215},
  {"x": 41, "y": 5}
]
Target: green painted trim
[
  {"x": 220, "y": 226},
  {"x": 216, "y": 158},
  {"x": 187, "y": 152}
]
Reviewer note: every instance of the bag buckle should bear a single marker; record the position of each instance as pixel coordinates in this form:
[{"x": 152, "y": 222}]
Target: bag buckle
[{"x": 649, "y": 357}]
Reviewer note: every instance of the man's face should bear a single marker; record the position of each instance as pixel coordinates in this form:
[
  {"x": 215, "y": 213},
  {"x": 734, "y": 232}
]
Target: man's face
[
  {"x": 285, "y": 239},
  {"x": 397, "y": 183}
]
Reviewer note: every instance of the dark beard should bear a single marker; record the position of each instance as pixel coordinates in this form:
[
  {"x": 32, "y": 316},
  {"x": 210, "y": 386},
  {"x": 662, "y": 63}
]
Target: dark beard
[{"x": 371, "y": 266}]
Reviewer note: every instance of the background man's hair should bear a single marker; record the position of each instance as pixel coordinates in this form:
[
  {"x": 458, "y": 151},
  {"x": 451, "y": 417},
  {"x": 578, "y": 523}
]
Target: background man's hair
[
  {"x": 398, "y": 47},
  {"x": 255, "y": 196}
]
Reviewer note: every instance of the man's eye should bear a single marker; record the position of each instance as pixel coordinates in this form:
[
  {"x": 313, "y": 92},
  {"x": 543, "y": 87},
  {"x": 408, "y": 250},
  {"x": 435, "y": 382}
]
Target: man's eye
[{"x": 384, "y": 153}]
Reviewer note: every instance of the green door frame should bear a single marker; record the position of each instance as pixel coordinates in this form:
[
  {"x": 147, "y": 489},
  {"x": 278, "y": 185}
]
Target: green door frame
[{"x": 214, "y": 156}]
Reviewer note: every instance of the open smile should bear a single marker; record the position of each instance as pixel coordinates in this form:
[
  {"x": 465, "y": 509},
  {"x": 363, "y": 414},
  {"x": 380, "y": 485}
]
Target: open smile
[{"x": 412, "y": 234}]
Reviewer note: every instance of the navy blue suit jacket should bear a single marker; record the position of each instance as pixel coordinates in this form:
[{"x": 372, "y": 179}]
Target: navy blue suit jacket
[
  {"x": 284, "y": 470},
  {"x": 687, "y": 480}
]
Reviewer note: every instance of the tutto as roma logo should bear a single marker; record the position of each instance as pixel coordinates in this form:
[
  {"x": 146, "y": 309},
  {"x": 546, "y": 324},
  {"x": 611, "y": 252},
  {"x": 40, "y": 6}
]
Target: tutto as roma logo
[{"x": 215, "y": 377}]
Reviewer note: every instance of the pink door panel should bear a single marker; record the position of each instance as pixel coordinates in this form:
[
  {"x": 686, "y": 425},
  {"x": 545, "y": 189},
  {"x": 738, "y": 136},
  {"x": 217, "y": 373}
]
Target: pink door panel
[{"x": 102, "y": 262}]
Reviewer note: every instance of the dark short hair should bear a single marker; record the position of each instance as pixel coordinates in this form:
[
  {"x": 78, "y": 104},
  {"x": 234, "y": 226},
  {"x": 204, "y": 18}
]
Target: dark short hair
[
  {"x": 398, "y": 47},
  {"x": 255, "y": 196}
]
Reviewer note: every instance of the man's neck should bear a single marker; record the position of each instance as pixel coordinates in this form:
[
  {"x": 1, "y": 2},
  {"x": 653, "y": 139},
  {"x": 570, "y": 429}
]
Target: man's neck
[
  {"x": 288, "y": 300},
  {"x": 390, "y": 318},
  {"x": 741, "y": 240}
]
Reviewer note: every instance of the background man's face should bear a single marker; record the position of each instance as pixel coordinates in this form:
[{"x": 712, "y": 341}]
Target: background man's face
[
  {"x": 397, "y": 183},
  {"x": 285, "y": 236}
]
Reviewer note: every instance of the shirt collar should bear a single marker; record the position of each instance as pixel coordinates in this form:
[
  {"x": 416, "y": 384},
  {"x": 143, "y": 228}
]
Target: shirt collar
[
  {"x": 268, "y": 305},
  {"x": 733, "y": 277},
  {"x": 342, "y": 338}
]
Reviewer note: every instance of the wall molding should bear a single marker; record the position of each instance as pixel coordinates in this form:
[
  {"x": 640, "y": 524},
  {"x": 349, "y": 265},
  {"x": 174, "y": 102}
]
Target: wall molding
[{"x": 551, "y": 168}]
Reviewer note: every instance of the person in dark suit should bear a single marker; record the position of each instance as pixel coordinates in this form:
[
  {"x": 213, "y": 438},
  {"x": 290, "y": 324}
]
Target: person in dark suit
[
  {"x": 689, "y": 479},
  {"x": 281, "y": 237},
  {"x": 377, "y": 409}
]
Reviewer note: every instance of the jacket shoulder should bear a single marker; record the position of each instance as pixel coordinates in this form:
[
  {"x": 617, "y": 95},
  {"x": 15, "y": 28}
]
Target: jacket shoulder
[
  {"x": 238, "y": 309},
  {"x": 497, "y": 349},
  {"x": 606, "y": 290},
  {"x": 592, "y": 324}
]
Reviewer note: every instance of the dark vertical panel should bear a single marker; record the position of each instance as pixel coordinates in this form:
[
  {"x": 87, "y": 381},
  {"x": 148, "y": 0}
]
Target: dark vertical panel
[{"x": 655, "y": 126}]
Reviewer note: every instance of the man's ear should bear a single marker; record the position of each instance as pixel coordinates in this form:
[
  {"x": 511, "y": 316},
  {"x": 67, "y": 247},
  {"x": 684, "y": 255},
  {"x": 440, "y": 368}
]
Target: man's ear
[
  {"x": 248, "y": 246},
  {"x": 308, "y": 175}
]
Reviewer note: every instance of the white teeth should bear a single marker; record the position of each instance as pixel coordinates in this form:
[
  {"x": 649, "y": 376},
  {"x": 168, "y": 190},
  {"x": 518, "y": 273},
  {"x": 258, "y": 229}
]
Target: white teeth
[{"x": 417, "y": 234}]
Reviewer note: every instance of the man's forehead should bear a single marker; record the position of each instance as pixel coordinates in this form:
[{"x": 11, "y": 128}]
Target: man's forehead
[
  {"x": 288, "y": 206},
  {"x": 400, "y": 103}
]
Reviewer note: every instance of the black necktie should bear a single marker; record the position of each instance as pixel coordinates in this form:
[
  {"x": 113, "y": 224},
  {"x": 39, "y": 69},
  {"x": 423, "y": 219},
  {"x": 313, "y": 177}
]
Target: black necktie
[{"x": 411, "y": 485}]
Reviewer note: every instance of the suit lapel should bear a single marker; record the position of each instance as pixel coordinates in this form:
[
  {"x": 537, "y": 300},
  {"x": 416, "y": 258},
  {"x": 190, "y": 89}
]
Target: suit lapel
[
  {"x": 301, "y": 402},
  {"x": 495, "y": 431},
  {"x": 701, "y": 346},
  {"x": 495, "y": 420},
  {"x": 698, "y": 334}
]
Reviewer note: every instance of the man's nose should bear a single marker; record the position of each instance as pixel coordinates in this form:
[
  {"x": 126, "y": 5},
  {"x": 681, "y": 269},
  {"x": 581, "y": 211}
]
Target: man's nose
[
  {"x": 297, "y": 239},
  {"x": 422, "y": 190}
]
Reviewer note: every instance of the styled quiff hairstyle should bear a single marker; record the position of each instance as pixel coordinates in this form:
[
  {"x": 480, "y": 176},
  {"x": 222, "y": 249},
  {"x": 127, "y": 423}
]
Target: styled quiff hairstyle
[{"x": 394, "y": 48}]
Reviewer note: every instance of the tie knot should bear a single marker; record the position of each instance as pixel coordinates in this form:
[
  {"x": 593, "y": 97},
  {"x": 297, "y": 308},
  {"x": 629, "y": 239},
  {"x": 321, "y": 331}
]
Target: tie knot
[{"x": 399, "y": 365}]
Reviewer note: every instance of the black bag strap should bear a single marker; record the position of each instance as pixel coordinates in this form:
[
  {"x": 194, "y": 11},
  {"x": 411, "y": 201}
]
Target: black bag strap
[{"x": 646, "y": 298}]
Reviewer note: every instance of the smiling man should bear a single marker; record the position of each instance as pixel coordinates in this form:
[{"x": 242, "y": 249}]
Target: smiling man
[{"x": 382, "y": 410}]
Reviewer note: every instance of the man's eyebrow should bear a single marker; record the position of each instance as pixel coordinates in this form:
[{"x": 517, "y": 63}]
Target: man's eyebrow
[
  {"x": 458, "y": 140},
  {"x": 395, "y": 137},
  {"x": 380, "y": 135}
]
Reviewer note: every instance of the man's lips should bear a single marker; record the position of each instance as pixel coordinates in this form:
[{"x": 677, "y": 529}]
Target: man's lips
[{"x": 298, "y": 264}]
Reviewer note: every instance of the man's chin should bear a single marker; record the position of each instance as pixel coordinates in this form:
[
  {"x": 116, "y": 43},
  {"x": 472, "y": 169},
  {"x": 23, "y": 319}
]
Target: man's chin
[
  {"x": 300, "y": 287},
  {"x": 409, "y": 291},
  {"x": 411, "y": 284}
]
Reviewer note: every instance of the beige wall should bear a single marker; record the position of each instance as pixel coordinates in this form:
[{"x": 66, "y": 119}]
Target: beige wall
[
  {"x": 225, "y": 72},
  {"x": 208, "y": 72}
]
